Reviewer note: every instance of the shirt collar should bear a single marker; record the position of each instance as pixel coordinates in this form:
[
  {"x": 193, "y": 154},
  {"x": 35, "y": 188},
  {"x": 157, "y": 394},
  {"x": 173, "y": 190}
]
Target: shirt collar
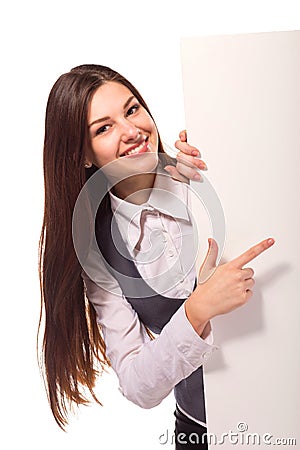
[{"x": 168, "y": 196}]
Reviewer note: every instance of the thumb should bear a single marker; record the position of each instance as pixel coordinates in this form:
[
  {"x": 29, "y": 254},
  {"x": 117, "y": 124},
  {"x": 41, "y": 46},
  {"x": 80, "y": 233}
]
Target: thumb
[
  {"x": 209, "y": 264},
  {"x": 183, "y": 136}
]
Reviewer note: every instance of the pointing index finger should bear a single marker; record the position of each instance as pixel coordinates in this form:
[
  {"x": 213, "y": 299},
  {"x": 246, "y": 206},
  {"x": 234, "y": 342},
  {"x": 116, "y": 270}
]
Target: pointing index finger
[{"x": 252, "y": 253}]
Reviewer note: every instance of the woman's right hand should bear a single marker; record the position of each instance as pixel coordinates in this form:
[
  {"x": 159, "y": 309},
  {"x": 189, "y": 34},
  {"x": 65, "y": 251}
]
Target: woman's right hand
[{"x": 224, "y": 288}]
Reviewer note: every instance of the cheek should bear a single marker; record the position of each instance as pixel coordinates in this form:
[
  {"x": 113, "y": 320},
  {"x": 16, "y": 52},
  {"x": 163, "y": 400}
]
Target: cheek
[
  {"x": 103, "y": 152},
  {"x": 155, "y": 134},
  {"x": 149, "y": 123},
  {"x": 152, "y": 128}
]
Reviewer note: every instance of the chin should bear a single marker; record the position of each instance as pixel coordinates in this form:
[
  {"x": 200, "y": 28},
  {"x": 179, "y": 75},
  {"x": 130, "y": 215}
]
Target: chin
[{"x": 122, "y": 168}]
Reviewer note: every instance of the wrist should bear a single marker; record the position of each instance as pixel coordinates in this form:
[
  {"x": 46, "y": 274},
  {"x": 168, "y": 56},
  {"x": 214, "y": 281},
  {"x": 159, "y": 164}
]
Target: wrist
[
  {"x": 206, "y": 331},
  {"x": 197, "y": 314}
]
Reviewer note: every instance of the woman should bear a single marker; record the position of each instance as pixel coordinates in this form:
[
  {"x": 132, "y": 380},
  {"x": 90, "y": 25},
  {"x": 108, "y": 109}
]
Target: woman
[{"x": 96, "y": 119}]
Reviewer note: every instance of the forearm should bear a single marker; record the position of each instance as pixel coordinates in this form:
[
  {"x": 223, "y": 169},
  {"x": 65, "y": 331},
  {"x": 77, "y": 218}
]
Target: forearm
[
  {"x": 147, "y": 369},
  {"x": 148, "y": 375}
]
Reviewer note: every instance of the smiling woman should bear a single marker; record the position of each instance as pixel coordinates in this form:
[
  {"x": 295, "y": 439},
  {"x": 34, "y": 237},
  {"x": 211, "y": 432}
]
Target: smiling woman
[
  {"x": 98, "y": 123},
  {"x": 122, "y": 128},
  {"x": 75, "y": 146}
]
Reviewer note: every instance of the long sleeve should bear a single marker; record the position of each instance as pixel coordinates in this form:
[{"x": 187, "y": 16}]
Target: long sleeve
[{"x": 147, "y": 369}]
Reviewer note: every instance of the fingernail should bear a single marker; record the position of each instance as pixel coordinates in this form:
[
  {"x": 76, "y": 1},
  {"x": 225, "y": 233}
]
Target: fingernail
[
  {"x": 203, "y": 166},
  {"x": 197, "y": 177},
  {"x": 195, "y": 153},
  {"x": 271, "y": 241}
]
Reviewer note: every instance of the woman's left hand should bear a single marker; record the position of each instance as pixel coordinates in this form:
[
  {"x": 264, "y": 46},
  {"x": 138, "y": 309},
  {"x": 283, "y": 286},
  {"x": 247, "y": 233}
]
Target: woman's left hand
[{"x": 188, "y": 161}]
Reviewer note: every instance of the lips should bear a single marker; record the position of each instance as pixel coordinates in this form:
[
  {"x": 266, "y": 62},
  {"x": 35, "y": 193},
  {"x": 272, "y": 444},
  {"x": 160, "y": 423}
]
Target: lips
[{"x": 137, "y": 149}]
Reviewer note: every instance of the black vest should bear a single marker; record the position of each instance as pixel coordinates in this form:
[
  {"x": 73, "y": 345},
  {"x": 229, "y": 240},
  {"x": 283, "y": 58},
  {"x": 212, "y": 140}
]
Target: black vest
[{"x": 154, "y": 310}]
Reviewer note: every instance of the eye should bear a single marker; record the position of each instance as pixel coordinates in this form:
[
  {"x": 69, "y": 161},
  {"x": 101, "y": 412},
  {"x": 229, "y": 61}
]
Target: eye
[
  {"x": 101, "y": 130},
  {"x": 133, "y": 109}
]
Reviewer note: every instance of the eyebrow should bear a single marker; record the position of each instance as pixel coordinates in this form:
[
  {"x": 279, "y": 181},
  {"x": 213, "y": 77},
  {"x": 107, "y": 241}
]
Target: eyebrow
[{"x": 107, "y": 117}]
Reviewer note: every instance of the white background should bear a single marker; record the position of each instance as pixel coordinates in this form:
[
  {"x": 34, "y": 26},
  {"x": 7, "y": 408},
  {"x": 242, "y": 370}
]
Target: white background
[{"x": 39, "y": 42}]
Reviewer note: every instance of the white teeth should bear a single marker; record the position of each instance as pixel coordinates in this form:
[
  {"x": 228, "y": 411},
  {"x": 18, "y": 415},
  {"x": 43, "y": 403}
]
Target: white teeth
[{"x": 135, "y": 150}]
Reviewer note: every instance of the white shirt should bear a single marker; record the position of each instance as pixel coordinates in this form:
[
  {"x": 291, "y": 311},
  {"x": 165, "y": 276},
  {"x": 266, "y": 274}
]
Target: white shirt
[{"x": 149, "y": 369}]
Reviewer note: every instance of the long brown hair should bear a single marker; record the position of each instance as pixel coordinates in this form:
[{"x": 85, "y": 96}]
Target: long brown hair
[{"x": 73, "y": 350}]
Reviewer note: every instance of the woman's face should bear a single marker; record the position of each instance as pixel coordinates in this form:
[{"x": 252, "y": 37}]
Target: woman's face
[{"x": 121, "y": 130}]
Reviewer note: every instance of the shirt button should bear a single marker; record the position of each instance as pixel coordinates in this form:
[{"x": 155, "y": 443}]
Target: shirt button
[
  {"x": 149, "y": 210},
  {"x": 206, "y": 355},
  {"x": 171, "y": 253}
]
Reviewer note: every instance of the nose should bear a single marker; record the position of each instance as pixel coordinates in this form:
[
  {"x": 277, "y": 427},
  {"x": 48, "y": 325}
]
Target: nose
[{"x": 130, "y": 132}]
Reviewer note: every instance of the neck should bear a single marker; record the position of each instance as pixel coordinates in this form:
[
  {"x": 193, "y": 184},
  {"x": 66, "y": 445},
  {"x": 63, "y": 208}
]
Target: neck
[{"x": 137, "y": 188}]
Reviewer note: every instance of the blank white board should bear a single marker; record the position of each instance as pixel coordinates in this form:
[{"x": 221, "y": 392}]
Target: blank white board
[{"x": 242, "y": 105}]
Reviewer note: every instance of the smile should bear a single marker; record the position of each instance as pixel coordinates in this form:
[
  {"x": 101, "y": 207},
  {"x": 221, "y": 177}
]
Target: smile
[{"x": 141, "y": 148}]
